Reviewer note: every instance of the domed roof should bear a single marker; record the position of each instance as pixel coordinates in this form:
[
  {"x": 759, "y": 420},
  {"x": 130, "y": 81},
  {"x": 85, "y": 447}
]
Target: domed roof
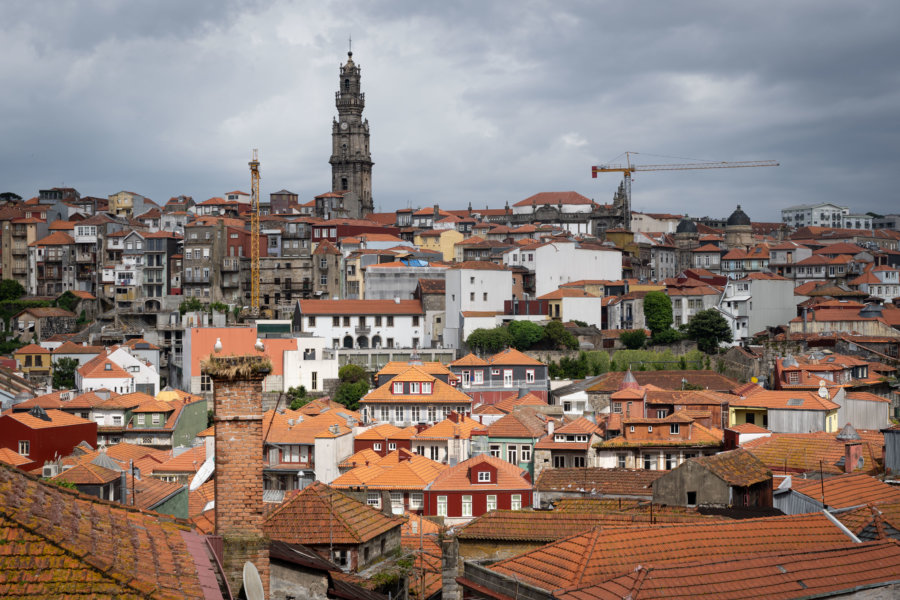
[
  {"x": 738, "y": 217},
  {"x": 685, "y": 225}
]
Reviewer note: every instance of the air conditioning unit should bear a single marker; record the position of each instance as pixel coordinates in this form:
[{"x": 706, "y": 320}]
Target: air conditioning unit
[{"x": 50, "y": 471}]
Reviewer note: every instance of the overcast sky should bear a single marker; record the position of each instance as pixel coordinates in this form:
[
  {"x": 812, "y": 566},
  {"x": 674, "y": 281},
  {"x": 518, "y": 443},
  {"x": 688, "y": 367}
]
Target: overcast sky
[{"x": 472, "y": 101}]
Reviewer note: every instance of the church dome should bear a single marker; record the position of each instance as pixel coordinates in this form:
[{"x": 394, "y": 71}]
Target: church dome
[
  {"x": 685, "y": 225},
  {"x": 738, "y": 217}
]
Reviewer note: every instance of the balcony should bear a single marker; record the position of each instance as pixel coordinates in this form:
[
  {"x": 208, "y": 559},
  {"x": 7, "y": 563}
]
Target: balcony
[
  {"x": 86, "y": 257},
  {"x": 231, "y": 264},
  {"x": 54, "y": 256},
  {"x": 20, "y": 271},
  {"x": 20, "y": 249},
  {"x": 363, "y": 330}
]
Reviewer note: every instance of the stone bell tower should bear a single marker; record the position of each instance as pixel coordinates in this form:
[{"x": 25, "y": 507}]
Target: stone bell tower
[{"x": 351, "y": 162}]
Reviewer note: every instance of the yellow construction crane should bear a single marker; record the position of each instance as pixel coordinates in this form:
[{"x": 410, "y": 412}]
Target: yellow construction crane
[
  {"x": 254, "y": 235},
  {"x": 627, "y": 169}
]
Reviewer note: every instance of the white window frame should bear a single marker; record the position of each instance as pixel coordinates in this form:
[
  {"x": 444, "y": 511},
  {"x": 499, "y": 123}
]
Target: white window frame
[
  {"x": 442, "y": 506},
  {"x": 484, "y": 476},
  {"x": 376, "y": 446},
  {"x": 414, "y": 387},
  {"x": 415, "y": 501},
  {"x": 467, "y": 506},
  {"x": 426, "y": 387},
  {"x": 24, "y": 447},
  {"x": 397, "y": 388},
  {"x": 491, "y": 502},
  {"x": 515, "y": 502},
  {"x": 529, "y": 376},
  {"x": 373, "y": 499}
]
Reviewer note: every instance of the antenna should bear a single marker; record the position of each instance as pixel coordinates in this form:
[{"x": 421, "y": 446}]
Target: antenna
[{"x": 253, "y": 586}]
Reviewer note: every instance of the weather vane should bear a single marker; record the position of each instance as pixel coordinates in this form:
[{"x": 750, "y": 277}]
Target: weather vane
[{"x": 350, "y": 43}]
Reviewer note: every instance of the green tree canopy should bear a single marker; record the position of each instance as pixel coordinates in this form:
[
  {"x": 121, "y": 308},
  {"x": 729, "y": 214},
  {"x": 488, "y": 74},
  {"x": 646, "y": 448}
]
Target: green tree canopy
[
  {"x": 525, "y": 334},
  {"x": 354, "y": 384},
  {"x": 709, "y": 329},
  {"x": 297, "y": 397},
  {"x": 10, "y": 289},
  {"x": 633, "y": 340},
  {"x": 657, "y": 311},
  {"x": 64, "y": 373},
  {"x": 489, "y": 340},
  {"x": 557, "y": 334}
]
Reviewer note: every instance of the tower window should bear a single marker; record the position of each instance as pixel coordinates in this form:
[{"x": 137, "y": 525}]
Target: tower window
[
  {"x": 344, "y": 183},
  {"x": 346, "y": 85}
]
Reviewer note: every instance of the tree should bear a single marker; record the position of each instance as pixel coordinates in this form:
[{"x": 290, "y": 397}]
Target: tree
[
  {"x": 64, "y": 373},
  {"x": 525, "y": 334},
  {"x": 354, "y": 384},
  {"x": 657, "y": 311},
  {"x": 489, "y": 340},
  {"x": 297, "y": 397},
  {"x": 561, "y": 339},
  {"x": 633, "y": 340},
  {"x": 709, "y": 329},
  {"x": 10, "y": 289}
]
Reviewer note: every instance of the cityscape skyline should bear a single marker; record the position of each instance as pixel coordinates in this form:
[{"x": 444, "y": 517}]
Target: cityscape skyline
[{"x": 466, "y": 103}]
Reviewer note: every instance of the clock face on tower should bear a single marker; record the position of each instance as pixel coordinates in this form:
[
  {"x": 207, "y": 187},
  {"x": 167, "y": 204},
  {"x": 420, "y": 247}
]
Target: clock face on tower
[{"x": 344, "y": 126}]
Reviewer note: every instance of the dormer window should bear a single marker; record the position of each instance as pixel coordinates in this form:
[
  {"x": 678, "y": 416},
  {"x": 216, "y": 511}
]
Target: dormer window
[
  {"x": 484, "y": 477},
  {"x": 107, "y": 367},
  {"x": 581, "y": 438},
  {"x": 559, "y": 438},
  {"x": 398, "y": 387},
  {"x": 414, "y": 387},
  {"x": 426, "y": 387}
]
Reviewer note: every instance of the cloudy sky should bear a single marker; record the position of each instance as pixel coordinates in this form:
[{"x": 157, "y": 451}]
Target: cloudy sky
[{"x": 468, "y": 101}]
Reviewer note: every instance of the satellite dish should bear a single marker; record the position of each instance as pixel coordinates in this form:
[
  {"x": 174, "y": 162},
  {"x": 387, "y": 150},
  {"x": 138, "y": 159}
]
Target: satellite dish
[
  {"x": 253, "y": 587},
  {"x": 203, "y": 473}
]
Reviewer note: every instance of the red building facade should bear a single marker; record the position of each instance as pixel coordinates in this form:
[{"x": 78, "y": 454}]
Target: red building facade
[{"x": 45, "y": 435}]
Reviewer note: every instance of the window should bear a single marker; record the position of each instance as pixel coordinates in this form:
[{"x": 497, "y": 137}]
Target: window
[
  {"x": 397, "y": 388},
  {"x": 650, "y": 462},
  {"x": 673, "y": 429},
  {"x": 117, "y": 419},
  {"x": 621, "y": 460},
  {"x": 392, "y": 445},
  {"x": 529, "y": 376},
  {"x": 631, "y": 429},
  {"x": 426, "y": 387},
  {"x": 559, "y": 462},
  {"x": 311, "y": 321},
  {"x": 414, "y": 387},
  {"x": 415, "y": 501},
  {"x": 507, "y": 378},
  {"x": 478, "y": 377},
  {"x": 373, "y": 499},
  {"x": 415, "y": 414},
  {"x": 515, "y": 502},
  {"x": 398, "y": 416},
  {"x": 649, "y": 428},
  {"x": 376, "y": 446},
  {"x": 323, "y": 280},
  {"x": 339, "y": 557},
  {"x": 442, "y": 506},
  {"x": 578, "y": 462},
  {"x": 335, "y": 321},
  {"x": 24, "y": 447},
  {"x": 385, "y": 413},
  {"x": 617, "y": 407},
  {"x": 526, "y": 453},
  {"x": 492, "y": 502},
  {"x": 512, "y": 454},
  {"x": 471, "y": 296},
  {"x": 415, "y": 321},
  {"x": 314, "y": 383},
  {"x": 390, "y": 321},
  {"x": 346, "y": 321},
  {"x": 467, "y": 506},
  {"x": 692, "y": 498},
  {"x": 484, "y": 476},
  {"x": 661, "y": 414},
  {"x": 432, "y": 413},
  {"x": 396, "y": 508},
  {"x": 435, "y": 453},
  {"x": 671, "y": 461},
  {"x": 495, "y": 450},
  {"x": 205, "y": 383}
]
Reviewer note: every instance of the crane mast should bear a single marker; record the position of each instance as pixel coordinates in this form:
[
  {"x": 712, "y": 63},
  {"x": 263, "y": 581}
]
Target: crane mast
[
  {"x": 254, "y": 234},
  {"x": 627, "y": 169}
]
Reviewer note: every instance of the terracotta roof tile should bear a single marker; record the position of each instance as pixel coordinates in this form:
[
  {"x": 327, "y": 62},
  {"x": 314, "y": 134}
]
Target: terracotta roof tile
[
  {"x": 58, "y": 418},
  {"x": 88, "y": 474},
  {"x": 188, "y": 461},
  {"x": 736, "y": 467},
  {"x": 469, "y": 360},
  {"x": 786, "y": 400},
  {"x": 598, "y": 555},
  {"x": 361, "y": 307},
  {"x": 319, "y": 514},
  {"x": 845, "y": 491},
  {"x": 635, "y": 483},
  {"x": 509, "y": 476},
  {"x": 509, "y": 403},
  {"x": 670, "y": 380},
  {"x": 799, "y": 573},
  {"x": 803, "y": 452},
  {"x": 67, "y": 535},
  {"x": 518, "y": 424},
  {"x": 511, "y": 356},
  {"x": 13, "y": 458},
  {"x": 399, "y": 470},
  {"x": 449, "y": 429},
  {"x": 441, "y": 392}
]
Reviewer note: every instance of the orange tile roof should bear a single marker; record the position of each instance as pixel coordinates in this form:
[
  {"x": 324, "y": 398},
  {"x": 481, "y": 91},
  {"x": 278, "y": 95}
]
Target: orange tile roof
[
  {"x": 635, "y": 483},
  {"x": 57, "y": 238},
  {"x": 798, "y": 573},
  {"x": 509, "y": 403},
  {"x": 509, "y": 476},
  {"x": 31, "y": 349},
  {"x": 361, "y": 307},
  {"x": 448, "y": 429},
  {"x": 786, "y": 400},
  {"x": 188, "y": 461},
  {"x": 69, "y": 347},
  {"x": 63, "y": 546},
  {"x": 670, "y": 380},
  {"x": 399, "y": 470},
  {"x": 359, "y": 459},
  {"x": 748, "y": 428},
  {"x": 387, "y": 431},
  {"x": 96, "y": 368},
  {"x": 597, "y": 555},
  {"x": 521, "y": 423},
  {"x": 395, "y": 367},
  {"x": 11, "y": 457},
  {"x": 511, "y": 356},
  {"x": 469, "y": 360},
  {"x": 132, "y": 400},
  {"x": 566, "y": 292},
  {"x": 873, "y": 517},
  {"x": 845, "y": 491},
  {"x": 88, "y": 474},
  {"x": 305, "y": 429},
  {"x": 237, "y": 341},
  {"x": 441, "y": 392},
  {"x": 58, "y": 418},
  {"x": 319, "y": 514},
  {"x": 804, "y": 452},
  {"x": 736, "y": 467}
]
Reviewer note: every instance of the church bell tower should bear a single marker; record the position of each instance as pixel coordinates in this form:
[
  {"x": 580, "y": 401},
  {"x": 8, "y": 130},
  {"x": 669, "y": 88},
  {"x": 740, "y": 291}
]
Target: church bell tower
[{"x": 351, "y": 162}]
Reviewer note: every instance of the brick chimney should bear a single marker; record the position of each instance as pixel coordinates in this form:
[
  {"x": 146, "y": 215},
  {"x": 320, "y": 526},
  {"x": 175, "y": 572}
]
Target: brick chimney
[
  {"x": 238, "y": 419},
  {"x": 852, "y": 454},
  {"x": 453, "y": 416}
]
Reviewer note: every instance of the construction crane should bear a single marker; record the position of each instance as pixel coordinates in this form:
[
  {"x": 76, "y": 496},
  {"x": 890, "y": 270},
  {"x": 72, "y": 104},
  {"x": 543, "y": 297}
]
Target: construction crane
[
  {"x": 627, "y": 169},
  {"x": 254, "y": 235}
]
